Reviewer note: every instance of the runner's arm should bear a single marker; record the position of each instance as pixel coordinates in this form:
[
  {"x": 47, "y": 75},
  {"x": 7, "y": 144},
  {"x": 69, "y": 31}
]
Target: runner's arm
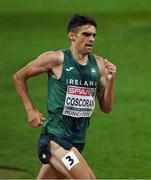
[
  {"x": 44, "y": 63},
  {"x": 105, "y": 93}
]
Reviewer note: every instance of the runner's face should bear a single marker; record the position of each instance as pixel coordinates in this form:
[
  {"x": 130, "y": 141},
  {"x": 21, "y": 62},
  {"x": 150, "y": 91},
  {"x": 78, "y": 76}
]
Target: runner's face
[{"x": 84, "y": 38}]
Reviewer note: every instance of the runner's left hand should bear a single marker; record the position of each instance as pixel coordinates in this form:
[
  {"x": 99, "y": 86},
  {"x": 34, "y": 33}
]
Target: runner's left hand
[{"x": 110, "y": 70}]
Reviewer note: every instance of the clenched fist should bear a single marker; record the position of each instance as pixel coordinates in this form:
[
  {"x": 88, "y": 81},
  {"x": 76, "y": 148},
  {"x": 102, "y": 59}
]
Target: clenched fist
[
  {"x": 110, "y": 70},
  {"x": 35, "y": 118}
]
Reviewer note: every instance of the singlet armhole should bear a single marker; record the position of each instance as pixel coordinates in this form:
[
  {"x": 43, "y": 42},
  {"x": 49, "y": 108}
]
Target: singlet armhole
[{"x": 62, "y": 69}]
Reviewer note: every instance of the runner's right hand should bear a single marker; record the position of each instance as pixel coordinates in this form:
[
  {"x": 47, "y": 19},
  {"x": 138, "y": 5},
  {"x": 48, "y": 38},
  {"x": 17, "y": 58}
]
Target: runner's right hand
[{"x": 35, "y": 118}]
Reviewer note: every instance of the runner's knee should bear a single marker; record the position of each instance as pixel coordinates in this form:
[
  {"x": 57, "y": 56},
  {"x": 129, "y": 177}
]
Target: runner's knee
[
  {"x": 92, "y": 176},
  {"x": 83, "y": 175}
]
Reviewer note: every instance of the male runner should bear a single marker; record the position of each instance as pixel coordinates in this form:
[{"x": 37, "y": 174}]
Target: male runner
[{"x": 75, "y": 78}]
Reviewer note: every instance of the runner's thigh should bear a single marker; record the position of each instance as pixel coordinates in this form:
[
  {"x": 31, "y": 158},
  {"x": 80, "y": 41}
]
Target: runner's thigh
[{"x": 71, "y": 162}]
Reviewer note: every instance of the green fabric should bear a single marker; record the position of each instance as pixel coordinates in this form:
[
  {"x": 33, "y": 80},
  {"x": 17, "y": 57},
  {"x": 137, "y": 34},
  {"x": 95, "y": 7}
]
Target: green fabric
[{"x": 72, "y": 122}]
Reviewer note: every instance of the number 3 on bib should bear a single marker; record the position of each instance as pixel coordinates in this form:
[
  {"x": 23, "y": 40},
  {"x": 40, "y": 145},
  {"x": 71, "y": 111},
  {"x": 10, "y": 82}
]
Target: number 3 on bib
[{"x": 70, "y": 160}]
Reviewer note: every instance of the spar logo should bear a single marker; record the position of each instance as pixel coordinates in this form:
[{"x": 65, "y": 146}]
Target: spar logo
[
  {"x": 82, "y": 91},
  {"x": 79, "y": 102}
]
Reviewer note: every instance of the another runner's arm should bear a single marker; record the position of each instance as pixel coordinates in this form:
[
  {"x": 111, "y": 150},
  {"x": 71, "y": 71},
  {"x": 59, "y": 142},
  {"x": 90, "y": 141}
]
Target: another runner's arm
[
  {"x": 105, "y": 93},
  {"x": 44, "y": 63}
]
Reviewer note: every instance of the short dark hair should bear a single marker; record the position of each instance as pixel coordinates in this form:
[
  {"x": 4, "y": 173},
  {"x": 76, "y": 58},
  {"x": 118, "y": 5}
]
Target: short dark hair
[{"x": 79, "y": 20}]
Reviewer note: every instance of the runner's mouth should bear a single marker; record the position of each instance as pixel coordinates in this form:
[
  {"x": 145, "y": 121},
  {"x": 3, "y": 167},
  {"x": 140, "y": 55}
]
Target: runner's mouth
[{"x": 89, "y": 46}]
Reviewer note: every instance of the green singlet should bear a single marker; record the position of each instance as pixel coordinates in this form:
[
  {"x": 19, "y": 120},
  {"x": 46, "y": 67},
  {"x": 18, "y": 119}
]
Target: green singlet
[{"x": 71, "y": 99}]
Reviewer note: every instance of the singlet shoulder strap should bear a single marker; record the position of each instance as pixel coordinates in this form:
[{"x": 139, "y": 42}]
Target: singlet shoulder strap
[
  {"x": 93, "y": 62},
  {"x": 67, "y": 55}
]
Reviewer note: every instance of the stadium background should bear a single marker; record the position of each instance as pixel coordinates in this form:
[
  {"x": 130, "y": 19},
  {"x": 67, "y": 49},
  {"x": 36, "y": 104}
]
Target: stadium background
[{"x": 118, "y": 144}]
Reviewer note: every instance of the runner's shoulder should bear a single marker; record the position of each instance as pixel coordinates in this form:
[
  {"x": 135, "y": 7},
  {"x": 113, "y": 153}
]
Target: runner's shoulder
[
  {"x": 56, "y": 56},
  {"x": 100, "y": 61}
]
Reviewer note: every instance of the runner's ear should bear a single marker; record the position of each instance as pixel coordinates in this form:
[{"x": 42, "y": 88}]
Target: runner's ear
[{"x": 71, "y": 36}]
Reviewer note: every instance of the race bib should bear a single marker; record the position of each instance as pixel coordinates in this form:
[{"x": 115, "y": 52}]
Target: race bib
[
  {"x": 79, "y": 101},
  {"x": 70, "y": 160}
]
